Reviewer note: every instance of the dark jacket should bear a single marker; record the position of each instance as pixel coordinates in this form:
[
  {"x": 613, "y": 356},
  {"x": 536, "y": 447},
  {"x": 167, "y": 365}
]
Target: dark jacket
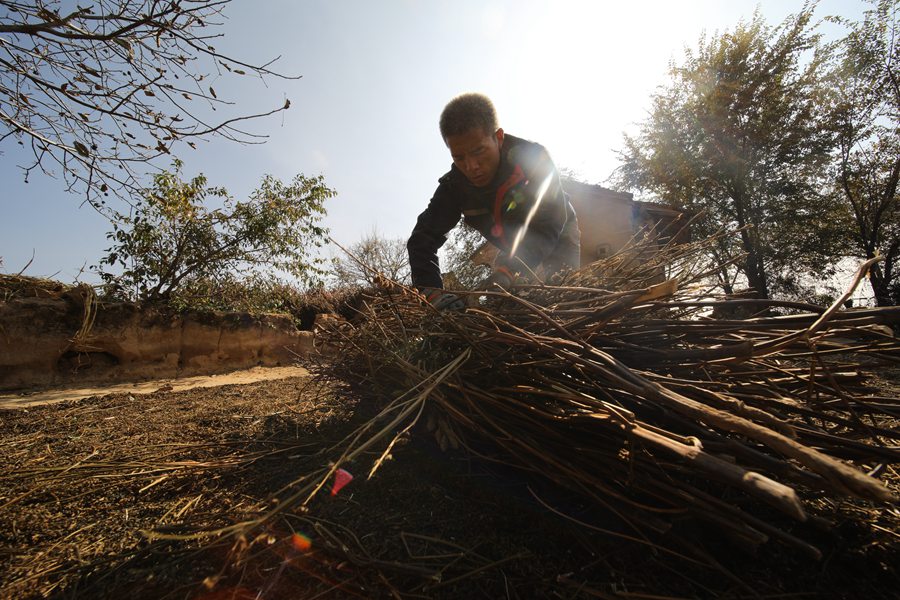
[{"x": 500, "y": 212}]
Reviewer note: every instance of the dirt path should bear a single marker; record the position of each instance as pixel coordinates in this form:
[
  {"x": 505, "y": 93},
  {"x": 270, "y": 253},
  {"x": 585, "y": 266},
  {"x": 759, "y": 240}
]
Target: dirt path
[{"x": 52, "y": 396}]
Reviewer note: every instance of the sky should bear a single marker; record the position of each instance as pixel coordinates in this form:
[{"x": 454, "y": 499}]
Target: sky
[{"x": 572, "y": 75}]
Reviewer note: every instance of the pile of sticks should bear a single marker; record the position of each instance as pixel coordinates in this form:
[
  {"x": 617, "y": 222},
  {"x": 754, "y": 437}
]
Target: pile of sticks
[{"x": 618, "y": 383}]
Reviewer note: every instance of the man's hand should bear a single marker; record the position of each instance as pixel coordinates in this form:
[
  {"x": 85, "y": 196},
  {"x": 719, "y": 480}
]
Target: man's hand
[
  {"x": 501, "y": 276},
  {"x": 442, "y": 300}
]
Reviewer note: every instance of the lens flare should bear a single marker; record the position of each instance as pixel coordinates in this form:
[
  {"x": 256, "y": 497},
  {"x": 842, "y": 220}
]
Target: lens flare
[
  {"x": 301, "y": 543},
  {"x": 538, "y": 198}
]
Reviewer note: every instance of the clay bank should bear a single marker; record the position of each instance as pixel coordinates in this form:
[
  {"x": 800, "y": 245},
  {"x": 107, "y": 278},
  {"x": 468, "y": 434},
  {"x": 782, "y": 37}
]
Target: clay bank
[{"x": 59, "y": 335}]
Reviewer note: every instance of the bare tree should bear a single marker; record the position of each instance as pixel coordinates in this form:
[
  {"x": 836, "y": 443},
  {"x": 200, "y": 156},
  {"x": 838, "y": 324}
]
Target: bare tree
[
  {"x": 371, "y": 258},
  {"x": 98, "y": 92},
  {"x": 459, "y": 268}
]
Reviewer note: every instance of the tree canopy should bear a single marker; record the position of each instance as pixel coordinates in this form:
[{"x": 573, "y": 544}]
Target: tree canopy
[
  {"x": 865, "y": 114},
  {"x": 99, "y": 92},
  {"x": 738, "y": 137},
  {"x": 173, "y": 239}
]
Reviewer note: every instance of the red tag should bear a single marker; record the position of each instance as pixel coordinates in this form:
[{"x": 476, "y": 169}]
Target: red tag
[{"x": 341, "y": 478}]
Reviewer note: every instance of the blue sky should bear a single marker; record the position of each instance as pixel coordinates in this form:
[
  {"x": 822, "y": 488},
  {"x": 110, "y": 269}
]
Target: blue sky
[{"x": 375, "y": 75}]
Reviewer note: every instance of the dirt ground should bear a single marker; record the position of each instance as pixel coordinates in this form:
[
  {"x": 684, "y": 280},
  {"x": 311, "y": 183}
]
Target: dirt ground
[
  {"x": 103, "y": 498},
  {"x": 36, "y": 398}
]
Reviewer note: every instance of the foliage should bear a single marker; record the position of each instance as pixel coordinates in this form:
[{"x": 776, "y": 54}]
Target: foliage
[
  {"x": 737, "y": 137},
  {"x": 866, "y": 116},
  {"x": 172, "y": 240},
  {"x": 99, "y": 91},
  {"x": 370, "y": 258}
]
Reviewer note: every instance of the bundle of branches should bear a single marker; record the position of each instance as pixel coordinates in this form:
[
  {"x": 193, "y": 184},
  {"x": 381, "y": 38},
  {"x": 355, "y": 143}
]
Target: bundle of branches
[
  {"x": 617, "y": 383},
  {"x": 22, "y": 286}
]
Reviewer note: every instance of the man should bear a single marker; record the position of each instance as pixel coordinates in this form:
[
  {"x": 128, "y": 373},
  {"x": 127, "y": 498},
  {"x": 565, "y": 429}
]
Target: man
[{"x": 505, "y": 187}]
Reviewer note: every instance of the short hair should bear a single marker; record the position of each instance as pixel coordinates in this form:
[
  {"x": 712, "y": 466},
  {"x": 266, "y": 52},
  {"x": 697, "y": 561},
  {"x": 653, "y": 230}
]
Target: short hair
[{"x": 467, "y": 112}]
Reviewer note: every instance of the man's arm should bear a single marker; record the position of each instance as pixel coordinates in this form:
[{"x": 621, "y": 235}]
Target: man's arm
[{"x": 429, "y": 235}]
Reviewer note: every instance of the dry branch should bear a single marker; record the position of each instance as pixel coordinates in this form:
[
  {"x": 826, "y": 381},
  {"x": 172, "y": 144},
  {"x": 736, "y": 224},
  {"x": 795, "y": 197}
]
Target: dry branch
[{"x": 618, "y": 374}]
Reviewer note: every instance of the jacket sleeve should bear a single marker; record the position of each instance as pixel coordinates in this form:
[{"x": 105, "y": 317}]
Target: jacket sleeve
[
  {"x": 429, "y": 235},
  {"x": 545, "y": 214}
]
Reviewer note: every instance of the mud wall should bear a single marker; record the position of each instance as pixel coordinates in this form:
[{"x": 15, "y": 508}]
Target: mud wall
[{"x": 45, "y": 341}]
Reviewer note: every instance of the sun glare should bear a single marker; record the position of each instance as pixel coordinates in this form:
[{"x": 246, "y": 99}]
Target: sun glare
[
  {"x": 578, "y": 73},
  {"x": 538, "y": 198}
]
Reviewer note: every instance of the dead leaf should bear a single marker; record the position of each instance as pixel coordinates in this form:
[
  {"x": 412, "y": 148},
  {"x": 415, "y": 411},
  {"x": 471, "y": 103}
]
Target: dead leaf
[{"x": 81, "y": 148}]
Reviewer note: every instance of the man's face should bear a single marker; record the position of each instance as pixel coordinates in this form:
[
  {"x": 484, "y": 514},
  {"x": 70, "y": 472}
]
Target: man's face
[{"x": 476, "y": 154}]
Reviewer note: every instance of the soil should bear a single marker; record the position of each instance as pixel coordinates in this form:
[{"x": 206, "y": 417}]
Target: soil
[
  {"x": 103, "y": 497},
  {"x": 34, "y": 398}
]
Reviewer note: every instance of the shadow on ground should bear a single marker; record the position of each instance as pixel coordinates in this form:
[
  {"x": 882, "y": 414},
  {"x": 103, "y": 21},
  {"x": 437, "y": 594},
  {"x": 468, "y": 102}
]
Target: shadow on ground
[{"x": 86, "y": 482}]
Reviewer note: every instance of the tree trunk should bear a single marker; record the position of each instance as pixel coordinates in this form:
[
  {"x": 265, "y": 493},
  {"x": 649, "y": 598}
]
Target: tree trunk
[
  {"x": 753, "y": 266},
  {"x": 880, "y": 287},
  {"x": 756, "y": 276},
  {"x": 881, "y": 276}
]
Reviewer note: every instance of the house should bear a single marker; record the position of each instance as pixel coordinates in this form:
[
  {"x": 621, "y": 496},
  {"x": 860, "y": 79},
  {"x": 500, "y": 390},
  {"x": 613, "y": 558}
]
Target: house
[{"x": 609, "y": 220}]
